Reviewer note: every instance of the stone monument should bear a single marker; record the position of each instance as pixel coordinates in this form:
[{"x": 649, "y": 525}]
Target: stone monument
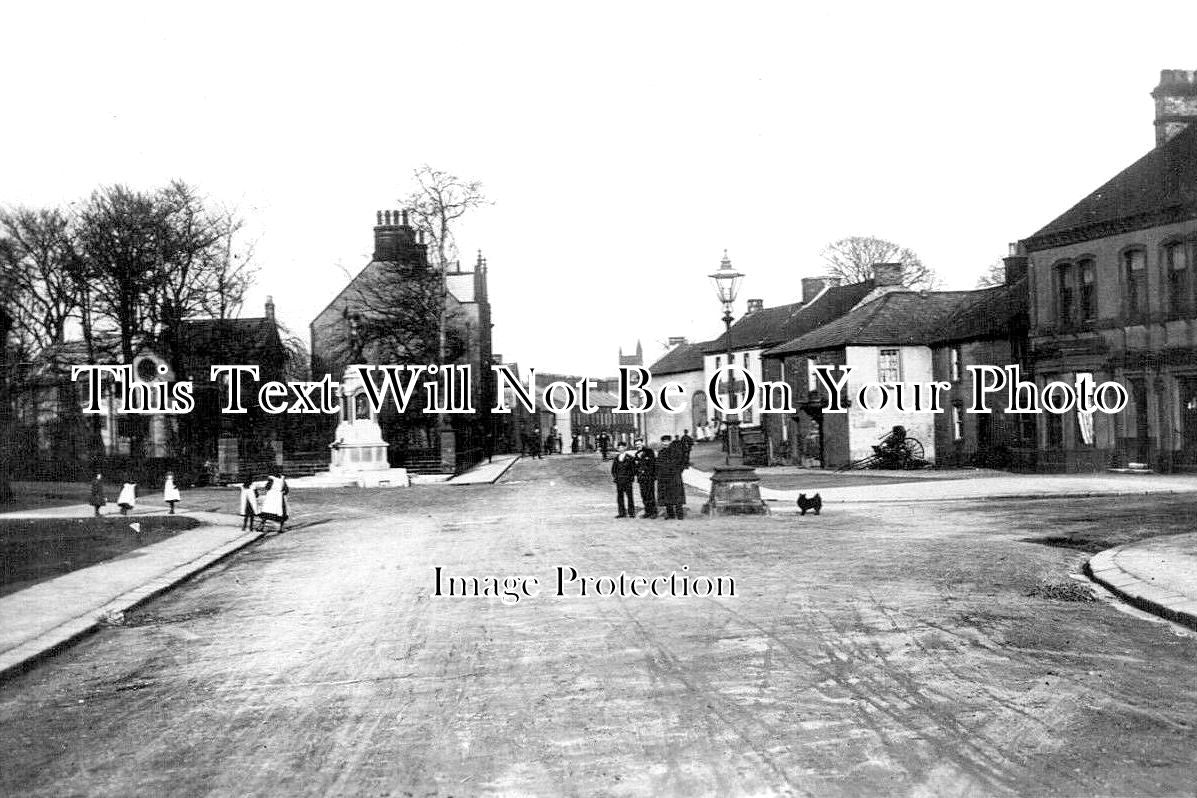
[{"x": 359, "y": 454}]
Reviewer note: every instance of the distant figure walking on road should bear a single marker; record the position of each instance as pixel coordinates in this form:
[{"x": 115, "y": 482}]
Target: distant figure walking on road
[
  {"x": 127, "y": 499},
  {"x": 604, "y": 444},
  {"x": 170, "y": 494},
  {"x": 98, "y": 499}
]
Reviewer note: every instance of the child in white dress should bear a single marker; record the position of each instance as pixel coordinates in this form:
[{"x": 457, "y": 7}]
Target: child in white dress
[
  {"x": 127, "y": 499},
  {"x": 170, "y": 494}
]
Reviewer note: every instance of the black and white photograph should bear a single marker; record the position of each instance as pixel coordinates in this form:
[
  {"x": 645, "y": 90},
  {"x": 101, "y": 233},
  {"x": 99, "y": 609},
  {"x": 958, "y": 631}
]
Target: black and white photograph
[{"x": 637, "y": 399}]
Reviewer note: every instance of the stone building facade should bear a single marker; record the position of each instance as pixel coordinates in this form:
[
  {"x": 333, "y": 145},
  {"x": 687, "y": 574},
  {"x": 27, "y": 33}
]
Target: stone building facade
[
  {"x": 1113, "y": 295},
  {"x": 417, "y": 441}
]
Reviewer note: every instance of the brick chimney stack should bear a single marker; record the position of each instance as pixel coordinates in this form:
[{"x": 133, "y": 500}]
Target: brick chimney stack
[
  {"x": 392, "y": 235},
  {"x": 1016, "y": 263},
  {"x": 754, "y": 306},
  {"x": 677, "y": 340},
  {"x": 270, "y": 308},
  {"x": 1175, "y": 102}
]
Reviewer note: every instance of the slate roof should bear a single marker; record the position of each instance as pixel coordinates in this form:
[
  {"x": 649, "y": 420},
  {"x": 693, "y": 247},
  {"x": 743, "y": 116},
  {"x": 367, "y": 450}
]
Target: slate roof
[
  {"x": 992, "y": 313},
  {"x": 897, "y": 318},
  {"x": 772, "y": 326},
  {"x": 682, "y": 358},
  {"x": 1159, "y": 188},
  {"x": 234, "y": 341}
]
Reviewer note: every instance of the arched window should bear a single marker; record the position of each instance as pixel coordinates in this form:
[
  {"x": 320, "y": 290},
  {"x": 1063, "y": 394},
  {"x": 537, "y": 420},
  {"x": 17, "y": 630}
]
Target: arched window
[
  {"x": 1134, "y": 272},
  {"x": 1180, "y": 292}
]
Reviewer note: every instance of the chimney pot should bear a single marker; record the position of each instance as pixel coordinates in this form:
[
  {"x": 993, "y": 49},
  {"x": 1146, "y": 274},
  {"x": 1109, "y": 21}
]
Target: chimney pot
[
  {"x": 270, "y": 307},
  {"x": 405, "y": 218},
  {"x": 1175, "y": 103},
  {"x": 380, "y": 218}
]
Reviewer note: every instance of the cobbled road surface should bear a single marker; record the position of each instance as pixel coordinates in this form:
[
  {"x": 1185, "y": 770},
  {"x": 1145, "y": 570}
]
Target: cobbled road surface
[{"x": 924, "y": 649}]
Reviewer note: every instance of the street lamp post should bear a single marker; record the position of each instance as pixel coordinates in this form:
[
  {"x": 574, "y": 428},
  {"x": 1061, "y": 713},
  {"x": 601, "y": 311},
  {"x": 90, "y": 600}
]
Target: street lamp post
[
  {"x": 727, "y": 285},
  {"x": 735, "y": 489}
]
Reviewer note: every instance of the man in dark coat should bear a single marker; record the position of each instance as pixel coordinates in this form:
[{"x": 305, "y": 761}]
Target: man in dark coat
[
  {"x": 623, "y": 472},
  {"x": 646, "y": 476},
  {"x": 671, "y": 492},
  {"x": 534, "y": 444},
  {"x": 604, "y": 443},
  {"x": 688, "y": 444}
]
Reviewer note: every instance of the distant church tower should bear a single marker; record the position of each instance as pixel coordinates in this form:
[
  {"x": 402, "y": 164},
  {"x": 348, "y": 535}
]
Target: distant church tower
[{"x": 632, "y": 360}]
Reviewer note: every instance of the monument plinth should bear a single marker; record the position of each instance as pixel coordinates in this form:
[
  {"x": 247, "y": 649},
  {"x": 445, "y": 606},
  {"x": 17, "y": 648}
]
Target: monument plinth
[
  {"x": 359, "y": 453},
  {"x": 735, "y": 490}
]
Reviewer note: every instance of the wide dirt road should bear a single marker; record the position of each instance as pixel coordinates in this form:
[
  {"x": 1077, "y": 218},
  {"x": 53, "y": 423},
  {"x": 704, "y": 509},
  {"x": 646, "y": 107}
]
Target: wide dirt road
[{"x": 872, "y": 650}]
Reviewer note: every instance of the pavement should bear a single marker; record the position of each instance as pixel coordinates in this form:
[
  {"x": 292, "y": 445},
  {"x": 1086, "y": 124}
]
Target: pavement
[
  {"x": 486, "y": 473},
  {"x": 44, "y": 617},
  {"x": 1158, "y": 575}
]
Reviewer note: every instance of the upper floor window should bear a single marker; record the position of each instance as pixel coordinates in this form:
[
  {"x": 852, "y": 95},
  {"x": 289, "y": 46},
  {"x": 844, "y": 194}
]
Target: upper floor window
[
  {"x": 1134, "y": 267},
  {"x": 957, "y": 422},
  {"x": 1176, "y": 264},
  {"x": 1065, "y": 295},
  {"x": 954, "y": 363},
  {"x": 1088, "y": 274},
  {"x": 889, "y": 366}
]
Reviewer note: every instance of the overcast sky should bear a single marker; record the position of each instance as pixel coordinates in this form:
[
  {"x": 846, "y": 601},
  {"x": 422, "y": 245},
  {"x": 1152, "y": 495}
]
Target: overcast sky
[{"x": 624, "y": 145}]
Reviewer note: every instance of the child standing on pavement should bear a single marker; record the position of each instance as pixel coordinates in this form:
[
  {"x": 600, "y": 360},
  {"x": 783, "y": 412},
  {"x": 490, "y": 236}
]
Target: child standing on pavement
[
  {"x": 98, "y": 499},
  {"x": 127, "y": 499},
  {"x": 249, "y": 504},
  {"x": 170, "y": 494}
]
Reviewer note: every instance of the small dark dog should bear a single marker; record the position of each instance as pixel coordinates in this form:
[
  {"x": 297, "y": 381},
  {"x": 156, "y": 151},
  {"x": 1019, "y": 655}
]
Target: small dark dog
[{"x": 813, "y": 503}]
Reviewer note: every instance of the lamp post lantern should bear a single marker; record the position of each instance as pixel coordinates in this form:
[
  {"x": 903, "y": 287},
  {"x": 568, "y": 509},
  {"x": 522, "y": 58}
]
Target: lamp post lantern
[
  {"x": 735, "y": 489},
  {"x": 727, "y": 285}
]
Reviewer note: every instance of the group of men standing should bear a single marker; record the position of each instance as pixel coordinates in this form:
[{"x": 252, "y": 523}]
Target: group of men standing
[{"x": 659, "y": 475}]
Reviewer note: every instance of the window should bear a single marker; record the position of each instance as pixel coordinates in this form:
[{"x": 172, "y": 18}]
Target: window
[
  {"x": 954, "y": 363},
  {"x": 1055, "y": 430},
  {"x": 1134, "y": 268},
  {"x": 957, "y": 423},
  {"x": 888, "y": 366},
  {"x": 1176, "y": 262},
  {"x": 718, "y": 362},
  {"x": 1064, "y": 295},
  {"x": 1088, "y": 290}
]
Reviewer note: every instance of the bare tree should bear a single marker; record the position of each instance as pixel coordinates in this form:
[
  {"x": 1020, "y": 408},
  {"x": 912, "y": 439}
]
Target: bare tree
[
  {"x": 153, "y": 259},
  {"x": 436, "y": 205},
  {"x": 994, "y": 274},
  {"x": 37, "y": 263},
  {"x": 852, "y": 259},
  {"x": 439, "y": 201}
]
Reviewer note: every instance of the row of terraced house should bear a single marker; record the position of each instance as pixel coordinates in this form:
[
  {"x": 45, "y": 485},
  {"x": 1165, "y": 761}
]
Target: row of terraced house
[{"x": 1107, "y": 289}]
